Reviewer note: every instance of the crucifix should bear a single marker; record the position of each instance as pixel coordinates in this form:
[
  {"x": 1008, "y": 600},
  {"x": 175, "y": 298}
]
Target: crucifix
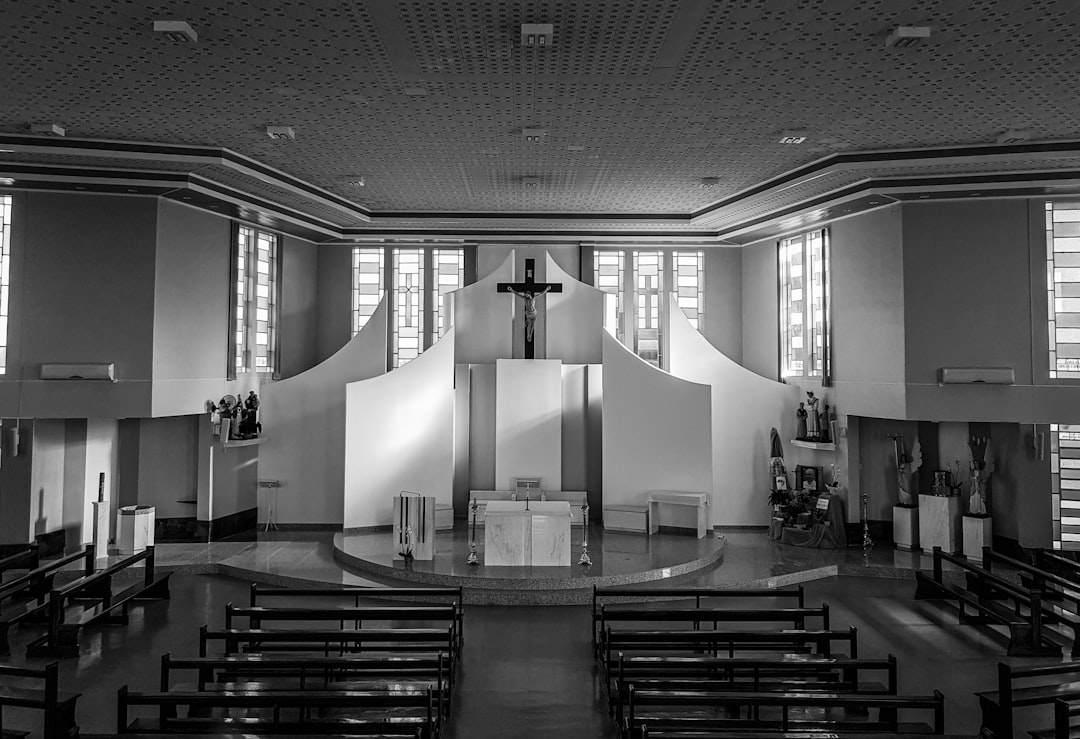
[{"x": 529, "y": 291}]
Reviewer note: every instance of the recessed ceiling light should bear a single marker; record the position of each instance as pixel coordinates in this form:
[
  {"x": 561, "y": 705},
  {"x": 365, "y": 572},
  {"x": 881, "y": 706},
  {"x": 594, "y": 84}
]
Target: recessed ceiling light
[
  {"x": 416, "y": 91},
  {"x": 576, "y": 149},
  {"x": 280, "y": 132},
  {"x": 793, "y": 136},
  {"x": 533, "y": 135},
  {"x": 530, "y": 181},
  {"x": 536, "y": 34},
  {"x": 1014, "y": 137},
  {"x": 47, "y": 129},
  {"x": 904, "y": 36},
  {"x": 177, "y": 31}
]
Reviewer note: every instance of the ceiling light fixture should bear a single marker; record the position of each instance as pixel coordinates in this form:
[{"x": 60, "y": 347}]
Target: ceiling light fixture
[
  {"x": 534, "y": 135},
  {"x": 530, "y": 181},
  {"x": 793, "y": 137},
  {"x": 902, "y": 37},
  {"x": 355, "y": 181},
  {"x": 707, "y": 182},
  {"x": 47, "y": 129},
  {"x": 6, "y": 181},
  {"x": 1014, "y": 137},
  {"x": 177, "y": 31},
  {"x": 280, "y": 132},
  {"x": 536, "y": 34},
  {"x": 575, "y": 149},
  {"x": 415, "y": 91}
]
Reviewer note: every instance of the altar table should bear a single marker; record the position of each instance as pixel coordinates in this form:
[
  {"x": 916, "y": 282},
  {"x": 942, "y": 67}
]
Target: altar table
[{"x": 539, "y": 536}]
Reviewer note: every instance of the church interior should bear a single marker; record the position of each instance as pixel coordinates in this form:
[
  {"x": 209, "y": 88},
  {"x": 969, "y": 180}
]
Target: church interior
[{"x": 470, "y": 368}]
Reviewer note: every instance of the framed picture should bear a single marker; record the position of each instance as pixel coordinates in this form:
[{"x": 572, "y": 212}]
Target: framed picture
[
  {"x": 780, "y": 482},
  {"x": 808, "y": 477}
]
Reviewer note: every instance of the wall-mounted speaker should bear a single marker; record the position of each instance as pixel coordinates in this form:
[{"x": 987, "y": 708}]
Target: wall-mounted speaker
[{"x": 11, "y": 442}]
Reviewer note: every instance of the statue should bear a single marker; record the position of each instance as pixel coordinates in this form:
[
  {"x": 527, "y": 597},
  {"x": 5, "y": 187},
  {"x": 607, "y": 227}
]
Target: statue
[
  {"x": 981, "y": 467},
  {"x": 529, "y": 297},
  {"x": 776, "y": 457},
  {"x": 813, "y": 421},
  {"x": 826, "y": 424},
  {"x": 906, "y": 467},
  {"x": 800, "y": 414},
  {"x": 228, "y": 408},
  {"x": 249, "y": 426}
]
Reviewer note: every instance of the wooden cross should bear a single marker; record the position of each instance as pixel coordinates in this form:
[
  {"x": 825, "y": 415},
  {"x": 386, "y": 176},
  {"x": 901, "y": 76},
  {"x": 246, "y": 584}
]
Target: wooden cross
[{"x": 529, "y": 291}]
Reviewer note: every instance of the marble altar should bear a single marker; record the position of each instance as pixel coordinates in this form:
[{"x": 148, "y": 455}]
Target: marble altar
[
  {"x": 939, "y": 522},
  {"x": 905, "y": 527},
  {"x": 538, "y": 536},
  {"x": 978, "y": 533}
]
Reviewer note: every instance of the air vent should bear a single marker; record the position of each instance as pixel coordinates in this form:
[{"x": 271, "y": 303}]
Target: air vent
[
  {"x": 793, "y": 136},
  {"x": 415, "y": 91},
  {"x": 176, "y": 31},
  {"x": 903, "y": 37},
  {"x": 280, "y": 132},
  {"x": 707, "y": 182},
  {"x": 47, "y": 129},
  {"x": 537, "y": 34},
  {"x": 79, "y": 372},
  {"x": 977, "y": 376}
]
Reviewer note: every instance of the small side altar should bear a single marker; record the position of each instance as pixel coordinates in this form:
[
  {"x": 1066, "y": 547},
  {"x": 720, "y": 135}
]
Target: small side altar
[
  {"x": 518, "y": 536},
  {"x": 939, "y": 522}
]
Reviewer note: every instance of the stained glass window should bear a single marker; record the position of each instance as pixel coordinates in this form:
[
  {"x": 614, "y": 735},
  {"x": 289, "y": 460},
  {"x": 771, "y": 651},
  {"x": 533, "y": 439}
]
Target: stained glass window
[
  {"x": 256, "y": 301},
  {"x": 648, "y": 296},
  {"x": 1063, "y": 287},
  {"x": 609, "y": 276},
  {"x": 1065, "y": 485},
  {"x": 689, "y": 268},
  {"x": 5, "y": 275},
  {"x": 449, "y": 268},
  {"x": 409, "y": 303},
  {"x": 804, "y": 305},
  {"x": 367, "y": 285}
]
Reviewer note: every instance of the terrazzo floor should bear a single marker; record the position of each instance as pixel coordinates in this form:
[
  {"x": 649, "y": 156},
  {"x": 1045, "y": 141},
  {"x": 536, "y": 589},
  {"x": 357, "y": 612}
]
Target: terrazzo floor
[{"x": 528, "y": 671}]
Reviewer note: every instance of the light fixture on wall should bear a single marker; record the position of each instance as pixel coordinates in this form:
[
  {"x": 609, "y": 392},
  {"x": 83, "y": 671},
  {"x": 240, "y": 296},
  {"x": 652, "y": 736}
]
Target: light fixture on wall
[
  {"x": 1014, "y": 137},
  {"x": 179, "y": 32}
]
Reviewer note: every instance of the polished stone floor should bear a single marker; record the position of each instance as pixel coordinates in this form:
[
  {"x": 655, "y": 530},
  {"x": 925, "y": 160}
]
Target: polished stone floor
[{"x": 528, "y": 671}]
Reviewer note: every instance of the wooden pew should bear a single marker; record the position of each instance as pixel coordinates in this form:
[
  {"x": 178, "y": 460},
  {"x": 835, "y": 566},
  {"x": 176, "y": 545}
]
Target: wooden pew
[
  {"x": 342, "y": 712},
  {"x": 1040, "y": 686},
  {"x": 346, "y": 641},
  {"x": 69, "y": 610},
  {"x": 1059, "y": 597},
  {"x": 1054, "y": 562},
  {"x": 252, "y": 672},
  {"x": 259, "y": 593},
  {"x": 26, "y": 559},
  {"x": 637, "y": 594},
  {"x": 713, "y": 643},
  {"x": 986, "y": 595},
  {"x": 57, "y": 707},
  {"x": 257, "y": 615},
  {"x": 783, "y": 673},
  {"x": 34, "y": 585},
  {"x": 887, "y": 707}
]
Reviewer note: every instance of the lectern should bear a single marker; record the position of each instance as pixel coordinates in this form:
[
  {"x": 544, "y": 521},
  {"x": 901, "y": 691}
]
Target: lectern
[{"x": 414, "y": 526}]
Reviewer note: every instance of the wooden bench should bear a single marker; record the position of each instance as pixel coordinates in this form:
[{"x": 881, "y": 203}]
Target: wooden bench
[
  {"x": 779, "y": 673},
  {"x": 1058, "y": 565},
  {"x": 1065, "y": 724},
  {"x": 257, "y": 615},
  {"x": 794, "y": 617},
  {"x": 35, "y": 586},
  {"x": 1052, "y": 682},
  {"x": 351, "y": 672},
  {"x": 58, "y": 708},
  {"x": 632, "y": 519},
  {"x": 381, "y": 713},
  {"x": 90, "y": 600},
  {"x": 698, "y": 501},
  {"x": 1059, "y": 597},
  {"x": 985, "y": 594},
  {"x": 888, "y": 708},
  {"x": 28, "y": 558},
  {"x": 713, "y": 643},
  {"x": 346, "y": 641},
  {"x": 637, "y": 594},
  {"x": 355, "y": 593}
]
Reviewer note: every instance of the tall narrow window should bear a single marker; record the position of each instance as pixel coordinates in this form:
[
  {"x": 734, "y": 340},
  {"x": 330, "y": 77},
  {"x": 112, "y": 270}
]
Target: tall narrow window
[
  {"x": 5, "y": 275},
  {"x": 256, "y": 301},
  {"x": 1065, "y": 486},
  {"x": 449, "y": 268},
  {"x": 1063, "y": 287},
  {"x": 648, "y": 296},
  {"x": 804, "y": 306},
  {"x": 689, "y": 268},
  {"x": 609, "y": 277},
  {"x": 367, "y": 285},
  {"x": 409, "y": 304}
]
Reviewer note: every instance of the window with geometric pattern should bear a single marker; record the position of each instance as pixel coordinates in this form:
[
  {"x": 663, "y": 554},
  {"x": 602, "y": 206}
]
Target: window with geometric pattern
[
  {"x": 609, "y": 277},
  {"x": 255, "y": 302},
  {"x": 5, "y": 276},
  {"x": 367, "y": 285},
  {"x": 1065, "y": 485},
  {"x": 803, "y": 263},
  {"x": 1063, "y": 287}
]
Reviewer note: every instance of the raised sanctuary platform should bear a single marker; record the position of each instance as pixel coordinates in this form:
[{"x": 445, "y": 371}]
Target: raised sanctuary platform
[{"x": 617, "y": 559}]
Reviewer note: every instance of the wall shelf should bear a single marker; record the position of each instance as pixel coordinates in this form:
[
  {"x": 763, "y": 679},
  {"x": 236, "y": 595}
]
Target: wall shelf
[
  {"x": 821, "y": 446},
  {"x": 244, "y": 442}
]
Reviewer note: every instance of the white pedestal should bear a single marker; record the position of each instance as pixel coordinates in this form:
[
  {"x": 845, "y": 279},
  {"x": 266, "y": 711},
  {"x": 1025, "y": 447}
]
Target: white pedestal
[
  {"x": 135, "y": 529},
  {"x": 978, "y": 533},
  {"x": 939, "y": 523},
  {"x": 444, "y": 517},
  {"x": 101, "y": 529},
  {"x": 414, "y": 526},
  {"x": 539, "y": 536},
  {"x": 905, "y": 527}
]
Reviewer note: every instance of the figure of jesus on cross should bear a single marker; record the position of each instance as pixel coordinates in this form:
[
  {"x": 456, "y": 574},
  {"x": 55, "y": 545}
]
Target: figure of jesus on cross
[{"x": 529, "y": 291}]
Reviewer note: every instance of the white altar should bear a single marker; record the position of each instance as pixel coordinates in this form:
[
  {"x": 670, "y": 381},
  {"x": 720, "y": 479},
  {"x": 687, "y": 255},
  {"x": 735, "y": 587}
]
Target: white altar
[{"x": 539, "y": 536}]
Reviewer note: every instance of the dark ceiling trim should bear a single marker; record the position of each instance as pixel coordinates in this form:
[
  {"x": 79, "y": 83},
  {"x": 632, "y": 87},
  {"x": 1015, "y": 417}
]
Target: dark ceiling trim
[{"x": 532, "y": 215}]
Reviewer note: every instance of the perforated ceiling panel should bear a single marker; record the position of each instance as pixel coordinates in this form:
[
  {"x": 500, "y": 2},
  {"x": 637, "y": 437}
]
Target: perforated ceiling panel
[{"x": 427, "y": 99}]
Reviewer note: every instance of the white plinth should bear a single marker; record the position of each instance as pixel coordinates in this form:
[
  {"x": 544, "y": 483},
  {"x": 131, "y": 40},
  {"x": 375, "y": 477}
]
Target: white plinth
[
  {"x": 978, "y": 533},
  {"x": 101, "y": 529},
  {"x": 135, "y": 529},
  {"x": 939, "y": 523},
  {"x": 539, "y": 536},
  {"x": 905, "y": 527}
]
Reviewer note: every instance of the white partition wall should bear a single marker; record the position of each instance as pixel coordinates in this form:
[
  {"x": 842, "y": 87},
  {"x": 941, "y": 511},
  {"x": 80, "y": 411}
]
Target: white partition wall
[
  {"x": 303, "y": 419},
  {"x": 528, "y": 422},
  {"x": 399, "y": 435},
  {"x": 484, "y": 318},
  {"x": 575, "y": 319},
  {"x": 657, "y": 430},
  {"x": 745, "y": 407}
]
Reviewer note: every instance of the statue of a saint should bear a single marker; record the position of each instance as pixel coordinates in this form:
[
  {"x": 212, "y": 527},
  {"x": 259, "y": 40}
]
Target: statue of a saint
[
  {"x": 980, "y": 468},
  {"x": 800, "y": 415},
  {"x": 906, "y": 467},
  {"x": 813, "y": 421},
  {"x": 825, "y": 421},
  {"x": 529, "y": 299}
]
